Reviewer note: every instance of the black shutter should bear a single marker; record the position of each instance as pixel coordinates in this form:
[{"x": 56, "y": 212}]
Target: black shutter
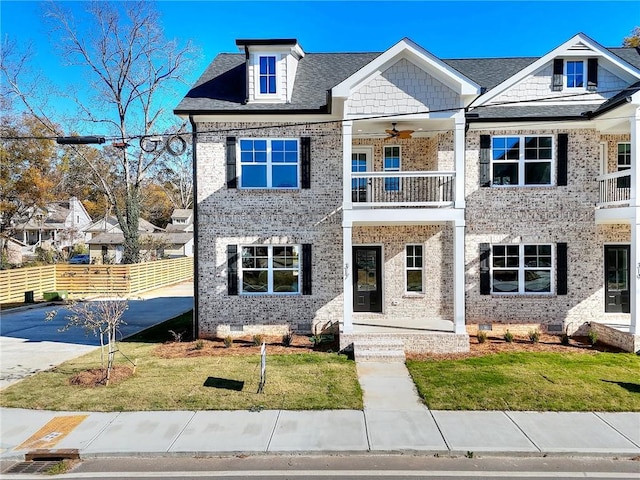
[
  {"x": 232, "y": 269},
  {"x": 558, "y": 73},
  {"x": 306, "y": 268},
  {"x": 305, "y": 162},
  {"x": 563, "y": 158},
  {"x": 561, "y": 265},
  {"x": 232, "y": 179},
  {"x": 485, "y": 160},
  {"x": 592, "y": 74},
  {"x": 485, "y": 275}
]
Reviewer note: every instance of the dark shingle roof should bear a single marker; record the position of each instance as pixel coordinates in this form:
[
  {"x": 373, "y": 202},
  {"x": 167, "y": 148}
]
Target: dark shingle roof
[
  {"x": 222, "y": 87},
  {"x": 223, "y": 84},
  {"x": 490, "y": 72},
  {"x": 531, "y": 111}
]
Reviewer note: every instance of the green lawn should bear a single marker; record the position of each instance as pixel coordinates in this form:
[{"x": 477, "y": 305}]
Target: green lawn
[
  {"x": 531, "y": 381},
  {"x": 305, "y": 381}
]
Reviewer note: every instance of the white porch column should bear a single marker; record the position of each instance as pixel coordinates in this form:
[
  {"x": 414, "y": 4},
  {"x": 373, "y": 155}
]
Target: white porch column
[
  {"x": 459, "y": 154},
  {"x": 347, "y": 252},
  {"x": 634, "y": 292},
  {"x": 347, "y": 269},
  {"x": 458, "y": 277},
  {"x": 347, "y": 140}
]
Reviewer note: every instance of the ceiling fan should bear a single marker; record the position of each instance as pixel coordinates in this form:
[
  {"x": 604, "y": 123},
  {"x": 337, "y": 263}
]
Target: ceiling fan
[{"x": 395, "y": 133}]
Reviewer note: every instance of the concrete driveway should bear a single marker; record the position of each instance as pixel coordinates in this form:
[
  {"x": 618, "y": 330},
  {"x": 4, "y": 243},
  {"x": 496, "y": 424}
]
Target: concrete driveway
[{"x": 29, "y": 344}]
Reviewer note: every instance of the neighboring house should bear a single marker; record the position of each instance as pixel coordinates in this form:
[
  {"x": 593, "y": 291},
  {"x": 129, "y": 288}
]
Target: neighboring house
[
  {"x": 58, "y": 224},
  {"x": 181, "y": 220},
  {"x": 397, "y": 193},
  {"x": 109, "y": 247},
  {"x": 106, "y": 242}
]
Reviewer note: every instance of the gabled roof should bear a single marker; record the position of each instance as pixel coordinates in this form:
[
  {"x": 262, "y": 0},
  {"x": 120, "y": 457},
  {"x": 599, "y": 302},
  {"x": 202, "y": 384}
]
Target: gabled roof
[
  {"x": 110, "y": 223},
  {"x": 576, "y": 45},
  {"x": 171, "y": 238},
  {"x": 182, "y": 213},
  {"x": 406, "y": 48},
  {"x": 221, "y": 89}
]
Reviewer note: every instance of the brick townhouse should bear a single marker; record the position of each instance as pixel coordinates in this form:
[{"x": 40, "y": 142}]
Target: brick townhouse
[{"x": 399, "y": 195}]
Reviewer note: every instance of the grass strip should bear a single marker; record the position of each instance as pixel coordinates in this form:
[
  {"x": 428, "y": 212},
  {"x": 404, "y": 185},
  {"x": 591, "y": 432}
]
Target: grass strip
[
  {"x": 531, "y": 381},
  {"x": 307, "y": 381}
]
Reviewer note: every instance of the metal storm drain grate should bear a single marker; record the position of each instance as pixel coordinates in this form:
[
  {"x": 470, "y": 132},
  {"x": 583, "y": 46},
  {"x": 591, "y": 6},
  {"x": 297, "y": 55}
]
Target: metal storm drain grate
[{"x": 36, "y": 466}]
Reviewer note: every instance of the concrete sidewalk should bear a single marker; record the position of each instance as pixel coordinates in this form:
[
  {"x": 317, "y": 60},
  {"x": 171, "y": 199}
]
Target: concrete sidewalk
[{"x": 393, "y": 420}]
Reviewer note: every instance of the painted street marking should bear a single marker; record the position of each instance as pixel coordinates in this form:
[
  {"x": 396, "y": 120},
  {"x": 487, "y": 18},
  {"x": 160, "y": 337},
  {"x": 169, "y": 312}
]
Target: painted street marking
[{"x": 55, "y": 430}]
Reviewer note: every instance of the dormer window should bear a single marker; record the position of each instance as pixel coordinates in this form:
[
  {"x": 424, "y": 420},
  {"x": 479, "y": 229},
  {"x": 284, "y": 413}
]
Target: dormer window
[
  {"x": 268, "y": 77},
  {"x": 271, "y": 69}
]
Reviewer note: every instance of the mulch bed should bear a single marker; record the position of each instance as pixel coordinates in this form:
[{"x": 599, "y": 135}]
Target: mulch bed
[
  {"x": 95, "y": 377},
  {"x": 241, "y": 346}
]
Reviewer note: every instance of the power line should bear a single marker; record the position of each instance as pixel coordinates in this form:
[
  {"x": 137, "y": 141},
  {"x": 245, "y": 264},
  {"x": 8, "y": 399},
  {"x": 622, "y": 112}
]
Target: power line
[{"x": 543, "y": 100}]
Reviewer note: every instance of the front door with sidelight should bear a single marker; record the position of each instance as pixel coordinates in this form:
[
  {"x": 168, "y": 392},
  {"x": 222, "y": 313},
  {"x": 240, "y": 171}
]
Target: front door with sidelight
[
  {"x": 616, "y": 269},
  {"x": 367, "y": 279}
]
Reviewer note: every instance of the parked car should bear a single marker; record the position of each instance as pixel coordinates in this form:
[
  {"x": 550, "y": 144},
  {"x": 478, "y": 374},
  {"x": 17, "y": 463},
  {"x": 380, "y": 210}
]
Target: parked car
[{"x": 81, "y": 259}]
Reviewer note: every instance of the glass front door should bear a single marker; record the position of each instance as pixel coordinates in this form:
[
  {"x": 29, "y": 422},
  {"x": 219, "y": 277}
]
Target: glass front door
[
  {"x": 616, "y": 267},
  {"x": 359, "y": 186},
  {"x": 367, "y": 279}
]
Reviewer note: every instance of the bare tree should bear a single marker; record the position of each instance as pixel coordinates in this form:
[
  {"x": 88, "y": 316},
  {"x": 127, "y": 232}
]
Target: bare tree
[
  {"x": 130, "y": 68},
  {"x": 102, "y": 318}
]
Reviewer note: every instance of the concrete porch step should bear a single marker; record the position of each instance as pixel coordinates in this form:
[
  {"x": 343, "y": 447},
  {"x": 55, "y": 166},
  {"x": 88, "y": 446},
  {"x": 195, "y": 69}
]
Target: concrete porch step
[{"x": 379, "y": 350}]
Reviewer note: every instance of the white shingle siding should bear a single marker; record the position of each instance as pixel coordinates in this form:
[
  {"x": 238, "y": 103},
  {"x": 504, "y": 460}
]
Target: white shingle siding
[
  {"x": 538, "y": 85},
  {"x": 402, "y": 88}
]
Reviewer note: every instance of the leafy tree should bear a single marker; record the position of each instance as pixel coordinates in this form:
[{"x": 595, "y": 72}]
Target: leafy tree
[
  {"x": 633, "y": 40},
  {"x": 29, "y": 175},
  {"x": 129, "y": 68}
]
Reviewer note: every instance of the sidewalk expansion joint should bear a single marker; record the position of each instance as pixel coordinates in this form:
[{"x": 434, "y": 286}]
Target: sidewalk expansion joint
[
  {"x": 506, "y": 413},
  {"x": 273, "y": 432},
  {"x": 181, "y": 431}
]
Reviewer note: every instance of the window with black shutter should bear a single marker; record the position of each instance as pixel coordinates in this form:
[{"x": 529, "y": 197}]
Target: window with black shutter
[
  {"x": 558, "y": 74},
  {"x": 592, "y": 74},
  {"x": 561, "y": 265},
  {"x": 305, "y": 162},
  {"x": 307, "y": 262},
  {"x": 485, "y": 160},
  {"x": 232, "y": 269},
  {"x": 485, "y": 270},
  {"x": 563, "y": 159}
]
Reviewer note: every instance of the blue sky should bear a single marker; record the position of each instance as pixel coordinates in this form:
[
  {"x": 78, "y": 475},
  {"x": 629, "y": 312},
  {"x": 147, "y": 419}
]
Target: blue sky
[{"x": 453, "y": 29}]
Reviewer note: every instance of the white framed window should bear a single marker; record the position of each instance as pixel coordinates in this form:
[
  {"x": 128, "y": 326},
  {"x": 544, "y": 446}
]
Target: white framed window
[
  {"x": 267, "y": 75},
  {"x": 391, "y": 163},
  {"x": 575, "y": 73},
  {"x": 269, "y": 163},
  {"x": 414, "y": 269},
  {"x": 522, "y": 268},
  {"x": 522, "y": 160},
  {"x": 624, "y": 156},
  {"x": 270, "y": 269}
]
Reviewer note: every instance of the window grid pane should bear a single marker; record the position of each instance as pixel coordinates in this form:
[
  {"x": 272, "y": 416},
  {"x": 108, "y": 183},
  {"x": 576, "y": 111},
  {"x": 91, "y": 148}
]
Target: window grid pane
[
  {"x": 270, "y": 269},
  {"x": 392, "y": 164},
  {"x": 518, "y": 161},
  {"x": 269, "y": 163},
  {"x": 414, "y": 268},
  {"x": 521, "y": 268}
]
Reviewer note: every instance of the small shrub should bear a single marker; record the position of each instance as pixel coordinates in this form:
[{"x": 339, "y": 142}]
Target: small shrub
[
  {"x": 177, "y": 336},
  {"x": 534, "y": 336},
  {"x": 228, "y": 341},
  {"x": 199, "y": 345},
  {"x": 482, "y": 336},
  {"x": 287, "y": 338},
  {"x": 564, "y": 339},
  {"x": 593, "y": 337},
  {"x": 257, "y": 339},
  {"x": 508, "y": 336}
]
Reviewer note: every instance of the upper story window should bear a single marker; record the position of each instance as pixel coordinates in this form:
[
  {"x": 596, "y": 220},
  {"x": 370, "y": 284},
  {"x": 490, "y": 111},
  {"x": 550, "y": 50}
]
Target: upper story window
[
  {"x": 575, "y": 73},
  {"x": 270, "y": 269},
  {"x": 392, "y": 164},
  {"x": 523, "y": 269},
  {"x": 269, "y": 163},
  {"x": 624, "y": 163},
  {"x": 267, "y": 75},
  {"x": 521, "y": 160}
]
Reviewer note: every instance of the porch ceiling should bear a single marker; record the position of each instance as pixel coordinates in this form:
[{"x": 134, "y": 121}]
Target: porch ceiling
[{"x": 423, "y": 128}]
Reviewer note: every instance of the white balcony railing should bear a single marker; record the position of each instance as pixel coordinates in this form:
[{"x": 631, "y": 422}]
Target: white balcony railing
[
  {"x": 615, "y": 188},
  {"x": 402, "y": 189}
]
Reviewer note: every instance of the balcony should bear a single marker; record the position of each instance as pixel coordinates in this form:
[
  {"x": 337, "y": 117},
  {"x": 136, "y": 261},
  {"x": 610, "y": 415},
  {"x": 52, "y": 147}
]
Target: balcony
[
  {"x": 615, "y": 189},
  {"x": 402, "y": 189}
]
